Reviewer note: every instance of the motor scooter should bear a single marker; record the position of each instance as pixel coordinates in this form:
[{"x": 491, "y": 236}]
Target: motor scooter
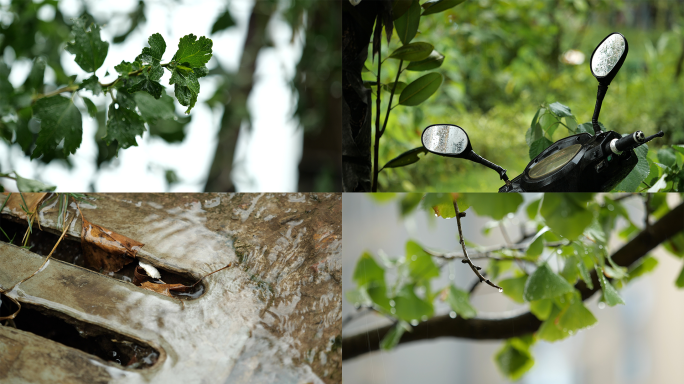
[{"x": 577, "y": 163}]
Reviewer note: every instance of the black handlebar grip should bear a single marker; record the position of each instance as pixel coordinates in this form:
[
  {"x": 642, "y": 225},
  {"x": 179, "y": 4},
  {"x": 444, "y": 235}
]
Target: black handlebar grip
[{"x": 627, "y": 142}]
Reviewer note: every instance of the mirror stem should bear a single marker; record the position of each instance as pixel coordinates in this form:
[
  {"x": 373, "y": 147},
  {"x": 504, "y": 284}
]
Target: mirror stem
[
  {"x": 472, "y": 156},
  {"x": 597, "y": 108}
]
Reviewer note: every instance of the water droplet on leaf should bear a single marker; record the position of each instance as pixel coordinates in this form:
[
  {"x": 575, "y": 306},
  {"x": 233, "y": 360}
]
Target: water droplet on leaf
[{"x": 452, "y": 314}]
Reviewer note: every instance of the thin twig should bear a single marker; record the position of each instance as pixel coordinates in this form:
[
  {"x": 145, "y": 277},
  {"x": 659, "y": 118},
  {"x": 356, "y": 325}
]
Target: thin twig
[
  {"x": 467, "y": 260},
  {"x": 211, "y": 273},
  {"x": 389, "y": 105},
  {"x": 378, "y": 133}
]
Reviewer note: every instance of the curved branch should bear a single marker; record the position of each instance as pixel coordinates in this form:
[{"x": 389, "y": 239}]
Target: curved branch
[{"x": 493, "y": 329}]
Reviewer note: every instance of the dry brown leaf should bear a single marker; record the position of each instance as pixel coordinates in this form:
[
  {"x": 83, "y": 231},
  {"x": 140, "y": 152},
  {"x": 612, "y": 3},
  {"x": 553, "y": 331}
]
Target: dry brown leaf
[
  {"x": 139, "y": 276},
  {"x": 106, "y": 250},
  {"x": 165, "y": 289},
  {"x": 15, "y": 202}
]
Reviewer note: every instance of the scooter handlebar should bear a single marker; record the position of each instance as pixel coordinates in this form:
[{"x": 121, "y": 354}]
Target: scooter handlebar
[{"x": 628, "y": 142}]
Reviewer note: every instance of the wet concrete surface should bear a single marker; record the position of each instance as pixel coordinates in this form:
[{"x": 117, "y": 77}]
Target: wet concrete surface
[{"x": 274, "y": 316}]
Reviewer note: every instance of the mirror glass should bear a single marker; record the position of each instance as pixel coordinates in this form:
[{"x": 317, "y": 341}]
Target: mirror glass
[
  {"x": 607, "y": 54},
  {"x": 445, "y": 139}
]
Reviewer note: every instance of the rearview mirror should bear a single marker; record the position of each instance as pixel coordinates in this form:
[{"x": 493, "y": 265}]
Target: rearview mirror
[
  {"x": 608, "y": 57},
  {"x": 446, "y": 140}
]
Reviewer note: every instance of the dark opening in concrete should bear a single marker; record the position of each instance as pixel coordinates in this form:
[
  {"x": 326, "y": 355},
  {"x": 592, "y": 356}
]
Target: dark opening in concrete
[
  {"x": 70, "y": 251},
  {"x": 89, "y": 338}
]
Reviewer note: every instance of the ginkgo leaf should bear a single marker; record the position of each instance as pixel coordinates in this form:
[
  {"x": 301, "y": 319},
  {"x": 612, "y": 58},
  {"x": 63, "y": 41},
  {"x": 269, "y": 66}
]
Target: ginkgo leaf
[{"x": 60, "y": 121}]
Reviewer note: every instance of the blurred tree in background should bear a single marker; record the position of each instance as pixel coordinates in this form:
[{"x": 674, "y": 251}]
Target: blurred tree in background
[
  {"x": 504, "y": 59},
  {"x": 25, "y": 35}
]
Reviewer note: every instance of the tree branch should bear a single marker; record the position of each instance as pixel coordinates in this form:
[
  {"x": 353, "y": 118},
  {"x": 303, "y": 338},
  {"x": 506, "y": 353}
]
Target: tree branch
[{"x": 494, "y": 329}]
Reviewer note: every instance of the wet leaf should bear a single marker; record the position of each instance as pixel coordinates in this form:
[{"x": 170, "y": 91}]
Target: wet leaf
[
  {"x": 442, "y": 204},
  {"x": 92, "y": 109},
  {"x": 410, "y": 307},
  {"x": 192, "y": 51},
  {"x": 392, "y": 337},
  {"x": 420, "y": 264},
  {"x": 406, "y": 158},
  {"x": 224, "y": 21},
  {"x": 433, "y": 61},
  {"x": 412, "y": 52},
  {"x": 123, "y": 125},
  {"x": 560, "y": 110},
  {"x": 153, "y": 53},
  {"x": 545, "y": 284},
  {"x": 566, "y": 214},
  {"x": 152, "y": 109},
  {"x": 513, "y": 361},
  {"x": 15, "y": 202},
  {"x": 496, "y": 206},
  {"x": 88, "y": 47},
  {"x": 549, "y": 330},
  {"x": 60, "y": 122},
  {"x": 421, "y": 89},
  {"x": 367, "y": 271},
  {"x": 459, "y": 301},
  {"x": 576, "y": 317},
  {"x": 164, "y": 289},
  {"x": 105, "y": 250},
  {"x": 28, "y": 185},
  {"x": 409, "y": 202},
  {"x": 514, "y": 288},
  {"x": 538, "y": 146},
  {"x": 638, "y": 174},
  {"x": 436, "y": 6},
  {"x": 407, "y": 24},
  {"x": 610, "y": 294},
  {"x": 541, "y": 308},
  {"x": 92, "y": 84}
]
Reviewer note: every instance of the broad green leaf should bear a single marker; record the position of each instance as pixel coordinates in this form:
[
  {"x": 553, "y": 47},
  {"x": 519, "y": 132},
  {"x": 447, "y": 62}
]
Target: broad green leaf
[
  {"x": 358, "y": 297},
  {"x": 92, "y": 109},
  {"x": 124, "y": 67},
  {"x": 535, "y": 132},
  {"x": 442, "y": 204},
  {"x": 595, "y": 232},
  {"x": 513, "y": 361},
  {"x": 92, "y": 84},
  {"x": 667, "y": 157},
  {"x": 638, "y": 174},
  {"x": 514, "y": 288},
  {"x": 399, "y": 7},
  {"x": 496, "y": 206},
  {"x": 410, "y": 307},
  {"x": 34, "y": 81},
  {"x": 610, "y": 294},
  {"x": 576, "y": 317},
  {"x": 570, "y": 270},
  {"x": 406, "y": 158},
  {"x": 680, "y": 279},
  {"x": 123, "y": 125},
  {"x": 193, "y": 52},
  {"x": 420, "y": 264},
  {"x": 549, "y": 123},
  {"x": 409, "y": 202},
  {"x": 560, "y": 110},
  {"x": 538, "y": 146},
  {"x": 152, "y": 109},
  {"x": 389, "y": 87},
  {"x": 460, "y": 303},
  {"x": 545, "y": 284},
  {"x": 148, "y": 81},
  {"x": 537, "y": 245},
  {"x": 224, "y": 21},
  {"x": 392, "y": 337},
  {"x": 433, "y": 61},
  {"x": 407, "y": 24},
  {"x": 541, "y": 308},
  {"x": 60, "y": 121},
  {"x": 420, "y": 89},
  {"x": 412, "y": 52},
  {"x": 566, "y": 214},
  {"x": 436, "y": 6},
  {"x": 367, "y": 271},
  {"x": 28, "y": 185},
  {"x": 532, "y": 209},
  {"x": 153, "y": 54},
  {"x": 378, "y": 294},
  {"x": 186, "y": 86},
  {"x": 89, "y": 49},
  {"x": 382, "y": 197},
  {"x": 549, "y": 329},
  {"x": 679, "y": 148},
  {"x": 641, "y": 267},
  {"x": 654, "y": 172},
  {"x": 584, "y": 273}
]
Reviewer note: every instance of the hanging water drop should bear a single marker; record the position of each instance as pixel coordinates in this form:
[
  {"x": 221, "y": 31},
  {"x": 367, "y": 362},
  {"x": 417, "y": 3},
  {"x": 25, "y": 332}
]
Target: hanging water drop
[
  {"x": 414, "y": 322},
  {"x": 392, "y": 303},
  {"x": 500, "y": 290},
  {"x": 452, "y": 314}
]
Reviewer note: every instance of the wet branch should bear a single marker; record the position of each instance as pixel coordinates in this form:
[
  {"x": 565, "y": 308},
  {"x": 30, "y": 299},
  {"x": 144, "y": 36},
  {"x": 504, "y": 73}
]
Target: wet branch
[
  {"x": 503, "y": 328},
  {"x": 466, "y": 259}
]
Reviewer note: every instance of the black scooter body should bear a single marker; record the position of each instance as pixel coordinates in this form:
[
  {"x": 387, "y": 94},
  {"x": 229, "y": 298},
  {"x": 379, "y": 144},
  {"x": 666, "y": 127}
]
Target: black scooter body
[{"x": 590, "y": 170}]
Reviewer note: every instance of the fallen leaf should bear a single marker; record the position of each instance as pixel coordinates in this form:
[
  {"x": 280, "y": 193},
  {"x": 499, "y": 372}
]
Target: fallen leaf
[
  {"x": 139, "y": 276},
  {"x": 165, "y": 289},
  {"x": 105, "y": 250},
  {"x": 15, "y": 202}
]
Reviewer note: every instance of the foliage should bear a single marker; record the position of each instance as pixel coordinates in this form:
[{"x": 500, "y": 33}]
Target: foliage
[{"x": 541, "y": 271}]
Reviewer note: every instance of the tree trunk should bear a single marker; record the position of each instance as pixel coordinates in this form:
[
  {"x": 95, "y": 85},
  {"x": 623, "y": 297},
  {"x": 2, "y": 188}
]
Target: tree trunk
[
  {"x": 357, "y": 27},
  {"x": 240, "y": 87}
]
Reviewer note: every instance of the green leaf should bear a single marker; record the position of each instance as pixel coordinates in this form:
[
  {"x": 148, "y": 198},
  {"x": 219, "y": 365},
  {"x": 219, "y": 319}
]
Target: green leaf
[
  {"x": 59, "y": 120},
  {"x": 406, "y": 158},
  {"x": 409, "y": 202},
  {"x": 537, "y": 245},
  {"x": 407, "y": 24},
  {"x": 535, "y": 132},
  {"x": 420, "y": 264},
  {"x": 153, "y": 54},
  {"x": 92, "y": 84},
  {"x": 89, "y": 49},
  {"x": 388, "y": 87},
  {"x": 148, "y": 81},
  {"x": 92, "y": 109},
  {"x": 224, "y": 21},
  {"x": 532, "y": 209},
  {"x": 560, "y": 110},
  {"x": 667, "y": 157},
  {"x": 193, "y": 52},
  {"x": 28, "y": 185},
  {"x": 442, "y": 204},
  {"x": 460, "y": 303},
  {"x": 34, "y": 81},
  {"x": 513, "y": 361},
  {"x": 367, "y": 271},
  {"x": 399, "y": 7},
  {"x": 433, "y": 61},
  {"x": 541, "y": 308},
  {"x": 123, "y": 125},
  {"x": 584, "y": 273},
  {"x": 410, "y": 307},
  {"x": 496, "y": 206},
  {"x": 576, "y": 317},
  {"x": 545, "y": 284},
  {"x": 675, "y": 244},
  {"x": 566, "y": 214},
  {"x": 152, "y": 109},
  {"x": 187, "y": 87},
  {"x": 436, "y": 6},
  {"x": 420, "y": 89},
  {"x": 412, "y": 52},
  {"x": 638, "y": 174},
  {"x": 538, "y": 146},
  {"x": 610, "y": 294},
  {"x": 642, "y": 267},
  {"x": 514, "y": 288},
  {"x": 382, "y": 197},
  {"x": 392, "y": 337},
  {"x": 680, "y": 279}
]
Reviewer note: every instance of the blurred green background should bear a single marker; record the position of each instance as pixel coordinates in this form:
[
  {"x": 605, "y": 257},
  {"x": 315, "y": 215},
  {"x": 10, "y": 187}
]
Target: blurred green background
[{"x": 506, "y": 58}]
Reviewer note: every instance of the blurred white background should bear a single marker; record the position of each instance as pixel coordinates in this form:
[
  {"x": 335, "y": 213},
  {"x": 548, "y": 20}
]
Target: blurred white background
[
  {"x": 266, "y": 158},
  {"x": 640, "y": 342}
]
